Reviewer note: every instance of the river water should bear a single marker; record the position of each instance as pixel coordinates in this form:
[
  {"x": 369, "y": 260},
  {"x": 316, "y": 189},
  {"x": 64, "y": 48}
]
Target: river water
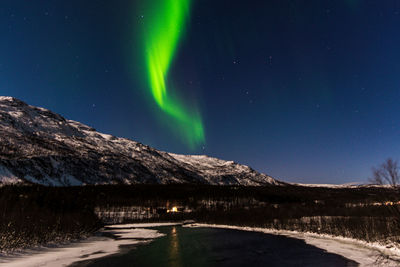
[{"x": 183, "y": 246}]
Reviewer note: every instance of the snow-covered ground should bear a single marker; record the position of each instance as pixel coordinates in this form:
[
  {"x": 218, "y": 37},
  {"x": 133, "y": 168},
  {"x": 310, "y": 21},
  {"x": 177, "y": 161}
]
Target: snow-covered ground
[
  {"x": 347, "y": 185},
  {"x": 366, "y": 254},
  {"x": 91, "y": 248}
]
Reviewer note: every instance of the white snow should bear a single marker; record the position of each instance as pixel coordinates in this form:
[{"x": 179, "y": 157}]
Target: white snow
[
  {"x": 21, "y": 120},
  {"x": 142, "y": 225},
  {"x": 366, "y": 254},
  {"x": 91, "y": 248},
  {"x": 6, "y": 98},
  {"x": 211, "y": 168},
  {"x": 6, "y": 177},
  {"x": 347, "y": 185}
]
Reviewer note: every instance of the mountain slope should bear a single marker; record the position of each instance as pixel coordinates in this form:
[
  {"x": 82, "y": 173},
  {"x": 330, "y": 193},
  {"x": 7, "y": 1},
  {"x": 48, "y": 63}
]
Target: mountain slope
[{"x": 39, "y": 146}]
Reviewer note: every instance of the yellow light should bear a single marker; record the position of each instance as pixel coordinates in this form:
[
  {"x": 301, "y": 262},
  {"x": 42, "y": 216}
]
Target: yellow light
[{"x": 174, "y": 209}]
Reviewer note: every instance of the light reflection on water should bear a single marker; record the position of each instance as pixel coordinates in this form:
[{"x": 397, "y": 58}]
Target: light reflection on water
[
  {"x": 174, "y": 253},
  {"x": 221, "y": 247}
]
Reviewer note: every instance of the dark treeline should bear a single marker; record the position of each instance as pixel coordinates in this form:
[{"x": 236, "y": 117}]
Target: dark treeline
[
  {"x": 36, "y": 214},
  {"x": 104, "y": 195},
  {"x": 33, "y": 215}
]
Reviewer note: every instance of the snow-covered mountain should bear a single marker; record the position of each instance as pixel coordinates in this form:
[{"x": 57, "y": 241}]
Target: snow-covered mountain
[{"x": 39, "y": 146}]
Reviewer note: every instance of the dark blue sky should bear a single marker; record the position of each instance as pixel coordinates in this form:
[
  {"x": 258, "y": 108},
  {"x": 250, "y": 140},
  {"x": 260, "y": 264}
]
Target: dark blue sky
[{"x": 305, "y": 91}]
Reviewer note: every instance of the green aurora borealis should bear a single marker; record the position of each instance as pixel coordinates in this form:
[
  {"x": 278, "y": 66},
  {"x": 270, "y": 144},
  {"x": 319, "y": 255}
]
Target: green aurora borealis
[
  {"x": 164, "y": 26},
  {"x": 307, "y": 93}
]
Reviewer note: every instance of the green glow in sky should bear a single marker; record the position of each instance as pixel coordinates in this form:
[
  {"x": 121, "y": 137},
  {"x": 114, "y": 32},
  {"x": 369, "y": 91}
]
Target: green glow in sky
[{"x": 164, "y": 26}]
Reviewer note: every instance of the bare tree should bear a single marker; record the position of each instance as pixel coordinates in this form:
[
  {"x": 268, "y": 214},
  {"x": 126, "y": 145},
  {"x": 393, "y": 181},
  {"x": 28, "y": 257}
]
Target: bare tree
[{"x": 386, "y": 173}]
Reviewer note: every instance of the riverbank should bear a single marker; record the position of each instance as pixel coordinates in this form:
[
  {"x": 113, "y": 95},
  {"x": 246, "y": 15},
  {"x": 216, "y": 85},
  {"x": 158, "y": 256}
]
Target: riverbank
[
  {"x": 365, "y": 253},
  {"x": 38, "y": 216},
  {"x": 114, "y": 238},
  {"x": 108, "y": 241}
]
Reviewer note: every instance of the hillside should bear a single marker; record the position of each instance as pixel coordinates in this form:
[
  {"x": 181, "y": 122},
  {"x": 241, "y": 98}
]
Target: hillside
[{"x": 40, "y": 146}]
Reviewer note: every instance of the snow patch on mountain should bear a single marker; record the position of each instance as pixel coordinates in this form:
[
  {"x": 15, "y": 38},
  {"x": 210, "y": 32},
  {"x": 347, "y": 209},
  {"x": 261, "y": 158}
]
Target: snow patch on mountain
[
  {"x": 6, "y": 177},
  {"x": 213, "y": 168}
]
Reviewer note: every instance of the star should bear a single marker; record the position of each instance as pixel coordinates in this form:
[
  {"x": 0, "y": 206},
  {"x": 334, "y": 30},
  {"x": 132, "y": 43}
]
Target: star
[{"x": 269, "y": 60}]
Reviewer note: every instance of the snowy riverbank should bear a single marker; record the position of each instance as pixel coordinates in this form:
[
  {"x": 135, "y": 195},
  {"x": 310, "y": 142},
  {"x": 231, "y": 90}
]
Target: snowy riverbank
[
  {"x": 91, "y": 248},
  {"x": 366, "y": 254}
]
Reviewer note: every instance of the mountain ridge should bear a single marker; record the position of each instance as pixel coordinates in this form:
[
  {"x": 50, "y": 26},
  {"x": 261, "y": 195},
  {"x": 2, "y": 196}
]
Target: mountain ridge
[{"x": 40, "y": 146}]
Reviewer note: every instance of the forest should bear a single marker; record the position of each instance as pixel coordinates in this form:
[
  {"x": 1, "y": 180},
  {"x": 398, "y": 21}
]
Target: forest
[{"x": 35, "y": 215}]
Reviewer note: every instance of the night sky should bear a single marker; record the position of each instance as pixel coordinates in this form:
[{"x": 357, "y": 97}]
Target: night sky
[{"x": 305, "y": 91}]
